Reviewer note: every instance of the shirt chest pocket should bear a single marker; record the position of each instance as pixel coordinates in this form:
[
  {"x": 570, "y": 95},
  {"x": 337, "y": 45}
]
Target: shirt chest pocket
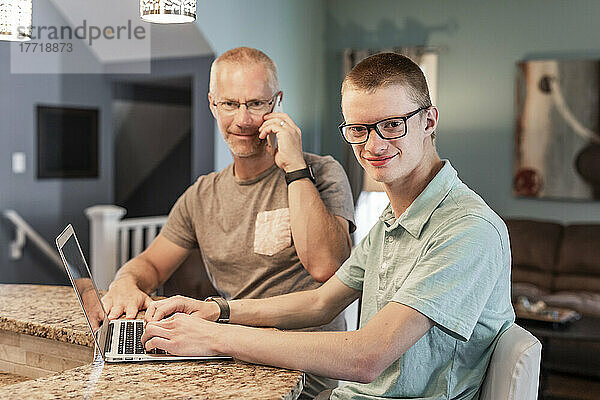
[{"x": 272, "y": 231}]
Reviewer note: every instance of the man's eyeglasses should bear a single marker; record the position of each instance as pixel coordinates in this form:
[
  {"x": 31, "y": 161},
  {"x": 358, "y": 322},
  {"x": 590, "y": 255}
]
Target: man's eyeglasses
[
  {"x": 255, "y": 107},
  {"x": 388, "y": 128}
]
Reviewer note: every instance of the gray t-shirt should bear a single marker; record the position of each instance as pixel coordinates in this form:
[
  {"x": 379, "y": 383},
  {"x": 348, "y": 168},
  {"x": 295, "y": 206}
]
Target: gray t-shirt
[{"x": 242, "y": 228}]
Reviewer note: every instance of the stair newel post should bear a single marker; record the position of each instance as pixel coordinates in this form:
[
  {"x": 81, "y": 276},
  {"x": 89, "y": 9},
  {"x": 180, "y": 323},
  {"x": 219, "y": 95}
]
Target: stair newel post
[{"x": 104, "y": 242}]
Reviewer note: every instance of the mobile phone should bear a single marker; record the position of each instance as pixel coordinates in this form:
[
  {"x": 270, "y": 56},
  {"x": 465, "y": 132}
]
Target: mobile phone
[{"x": 271, "y": 137}]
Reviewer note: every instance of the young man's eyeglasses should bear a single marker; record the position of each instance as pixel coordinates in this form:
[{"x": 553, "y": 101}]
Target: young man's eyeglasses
[
  {"x": 388, "y": 128},
  {"x": 255, "y": 107}
]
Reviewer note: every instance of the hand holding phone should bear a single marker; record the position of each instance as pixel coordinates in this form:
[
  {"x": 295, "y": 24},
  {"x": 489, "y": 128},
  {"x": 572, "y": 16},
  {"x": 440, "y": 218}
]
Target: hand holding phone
[{"x": 271, "y": 137}]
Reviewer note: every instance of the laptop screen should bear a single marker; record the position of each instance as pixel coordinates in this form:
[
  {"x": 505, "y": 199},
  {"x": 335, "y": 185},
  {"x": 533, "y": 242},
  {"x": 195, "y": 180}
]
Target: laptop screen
[{"x": 82, "y": 281}]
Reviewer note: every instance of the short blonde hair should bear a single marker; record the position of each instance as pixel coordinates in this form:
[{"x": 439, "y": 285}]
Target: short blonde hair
[
  {"x": 245, "y": 55},
  {"x": 388, "y": 69}
]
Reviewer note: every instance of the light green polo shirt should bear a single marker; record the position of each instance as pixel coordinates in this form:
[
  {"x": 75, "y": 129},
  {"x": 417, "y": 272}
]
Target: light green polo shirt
[{"x": 448, "y": 257}]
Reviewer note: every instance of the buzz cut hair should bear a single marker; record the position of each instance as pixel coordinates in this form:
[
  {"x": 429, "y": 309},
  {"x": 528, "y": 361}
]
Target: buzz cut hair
[
  {"x": 389, "y": 69},
  {"x": 245, "y": 56}
]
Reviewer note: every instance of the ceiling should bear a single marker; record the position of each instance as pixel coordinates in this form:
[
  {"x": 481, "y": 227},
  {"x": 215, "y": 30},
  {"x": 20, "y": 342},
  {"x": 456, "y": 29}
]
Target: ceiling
[{"x": 159, "y": 41}]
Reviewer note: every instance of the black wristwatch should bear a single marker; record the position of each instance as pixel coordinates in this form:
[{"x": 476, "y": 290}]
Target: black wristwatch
[
  {"x": 300, "y": 174},
  {"x": 223, "y": 307}
]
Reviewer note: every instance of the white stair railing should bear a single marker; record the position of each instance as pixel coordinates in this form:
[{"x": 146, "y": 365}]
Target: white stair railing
[
  {"x": 24, "y": 231},
  {"x": 114, "y": 241}
]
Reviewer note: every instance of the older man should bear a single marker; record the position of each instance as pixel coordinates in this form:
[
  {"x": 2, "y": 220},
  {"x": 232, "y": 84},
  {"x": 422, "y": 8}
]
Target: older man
[
  {"x": 275, "y": 221},
  {"x": 434, "y": 272}
]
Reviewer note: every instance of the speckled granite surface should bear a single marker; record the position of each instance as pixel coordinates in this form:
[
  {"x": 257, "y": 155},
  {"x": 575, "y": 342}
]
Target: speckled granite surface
[
  {"x": 11, "y": 379},
  {"x": 185, "y": 380},
  {"x": 53, "y": 312}
]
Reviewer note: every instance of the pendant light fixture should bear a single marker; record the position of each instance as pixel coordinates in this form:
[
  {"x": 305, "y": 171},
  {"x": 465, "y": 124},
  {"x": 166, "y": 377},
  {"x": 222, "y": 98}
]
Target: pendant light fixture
[
  {"x": 15, "y": 20},
  {"x": 168, "y": 11}
]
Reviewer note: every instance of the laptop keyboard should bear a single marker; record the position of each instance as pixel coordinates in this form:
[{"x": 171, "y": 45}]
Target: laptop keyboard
[
  {"x": 130, "y": 338},
  {"x": 139, "y": 347},
  {"x": 109, "y": 336}
]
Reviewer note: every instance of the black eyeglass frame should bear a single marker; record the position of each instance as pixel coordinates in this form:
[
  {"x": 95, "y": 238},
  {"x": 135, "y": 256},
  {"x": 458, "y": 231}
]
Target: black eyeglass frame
[
  {"x": 245, "y": 103},
  {"x": 370, "y": 127}
]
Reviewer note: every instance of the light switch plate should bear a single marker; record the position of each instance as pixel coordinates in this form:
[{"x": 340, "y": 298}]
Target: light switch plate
[{"x": 18, "y": 163}]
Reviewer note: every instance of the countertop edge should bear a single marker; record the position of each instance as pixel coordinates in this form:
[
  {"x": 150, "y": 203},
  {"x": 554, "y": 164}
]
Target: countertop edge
[{"x": 46, "y": 331}]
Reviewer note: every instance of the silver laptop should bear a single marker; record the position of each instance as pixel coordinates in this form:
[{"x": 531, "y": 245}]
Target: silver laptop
[{"x": 117, "y": 340}]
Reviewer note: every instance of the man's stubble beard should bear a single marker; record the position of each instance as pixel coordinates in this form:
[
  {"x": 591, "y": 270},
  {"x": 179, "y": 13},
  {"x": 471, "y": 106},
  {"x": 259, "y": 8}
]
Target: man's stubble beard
[{"x": 254, "y": 148}]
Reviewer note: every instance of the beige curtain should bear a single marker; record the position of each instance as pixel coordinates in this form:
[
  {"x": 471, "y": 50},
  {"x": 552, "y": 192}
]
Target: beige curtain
[{"x": 427, "y": 58}]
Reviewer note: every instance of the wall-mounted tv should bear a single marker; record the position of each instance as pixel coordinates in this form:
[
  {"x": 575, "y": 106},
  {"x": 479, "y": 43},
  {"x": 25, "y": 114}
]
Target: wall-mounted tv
[{"x": 67, "y": 142}]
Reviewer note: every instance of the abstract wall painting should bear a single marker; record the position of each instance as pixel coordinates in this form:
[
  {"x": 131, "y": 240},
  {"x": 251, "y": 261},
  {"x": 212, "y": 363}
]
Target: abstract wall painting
[{"x": 557, "y": 135}]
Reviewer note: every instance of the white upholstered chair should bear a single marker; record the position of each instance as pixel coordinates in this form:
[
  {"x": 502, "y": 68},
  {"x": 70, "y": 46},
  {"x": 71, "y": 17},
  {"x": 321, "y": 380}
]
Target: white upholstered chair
[{"x": 514, "y": 370}]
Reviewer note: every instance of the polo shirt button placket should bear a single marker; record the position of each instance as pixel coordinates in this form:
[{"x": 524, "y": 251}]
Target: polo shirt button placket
[
  {"x": 382, "y": 280},
  {"x": 388, "y": 250},
  {"x": 380, "y": 298}
]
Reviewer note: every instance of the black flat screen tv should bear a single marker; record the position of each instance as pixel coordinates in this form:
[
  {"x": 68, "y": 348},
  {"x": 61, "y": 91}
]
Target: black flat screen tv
[{"x": 67, "y": 142}]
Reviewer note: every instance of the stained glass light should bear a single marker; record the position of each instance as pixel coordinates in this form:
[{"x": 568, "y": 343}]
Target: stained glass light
[
  {"x": 15, "y": 20},
  {"x": 168, "y": 11}
]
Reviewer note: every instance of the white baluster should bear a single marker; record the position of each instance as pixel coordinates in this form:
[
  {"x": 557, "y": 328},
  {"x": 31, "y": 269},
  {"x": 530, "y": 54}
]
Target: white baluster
[
  {"x": 150, "y": 234},
  {"x": 137, "y": 241},
  {"x": 124, "y": 239},
  {"x": 104, "y": 227}
]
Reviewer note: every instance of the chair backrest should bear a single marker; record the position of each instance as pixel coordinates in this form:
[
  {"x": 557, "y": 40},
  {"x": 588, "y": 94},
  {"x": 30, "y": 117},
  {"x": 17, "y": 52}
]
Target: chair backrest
[{"x": 514, "y": 368}]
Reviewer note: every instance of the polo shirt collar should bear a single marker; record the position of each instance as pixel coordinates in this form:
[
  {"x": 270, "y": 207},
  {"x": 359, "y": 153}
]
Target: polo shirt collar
[{"x": 418, "y": 213}]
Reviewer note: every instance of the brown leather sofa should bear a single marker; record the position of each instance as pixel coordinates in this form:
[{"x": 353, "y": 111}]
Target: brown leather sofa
[
  {"x": 560, "y": 265},
  {"x": 557, "y": 264}
]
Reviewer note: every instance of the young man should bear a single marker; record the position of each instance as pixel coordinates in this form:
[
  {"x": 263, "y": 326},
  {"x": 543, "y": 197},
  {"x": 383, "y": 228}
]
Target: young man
[
  {"x": 434, "y": 272},
  {"x": 273, "y": 222}
]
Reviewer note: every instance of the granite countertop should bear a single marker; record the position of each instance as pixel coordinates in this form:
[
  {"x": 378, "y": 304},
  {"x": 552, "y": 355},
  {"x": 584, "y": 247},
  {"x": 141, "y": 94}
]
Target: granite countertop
[
  {"x": 10, "y": 379},
  {"x": 173, "y": 380},
  {"x": 53, "y": 312}
]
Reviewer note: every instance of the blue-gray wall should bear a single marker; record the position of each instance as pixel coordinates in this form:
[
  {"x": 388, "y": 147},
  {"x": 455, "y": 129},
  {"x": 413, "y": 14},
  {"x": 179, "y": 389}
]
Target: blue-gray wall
[
  {"x": 481, "y": 41},
  {"x": 47, "y": 204},
  {"x": 50, "y": 203}
]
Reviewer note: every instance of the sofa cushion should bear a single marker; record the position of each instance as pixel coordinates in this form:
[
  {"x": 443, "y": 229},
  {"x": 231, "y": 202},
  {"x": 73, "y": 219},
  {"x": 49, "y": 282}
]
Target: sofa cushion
[
  {"x": 576, "y": 282},
  {"x": 543, "y": 280},
  {"x": 529, "y": 290},
  {"x": 579, "y": 259},
  {"x": 534, "y": 248},
  {"x": 585, "y": 303}
]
